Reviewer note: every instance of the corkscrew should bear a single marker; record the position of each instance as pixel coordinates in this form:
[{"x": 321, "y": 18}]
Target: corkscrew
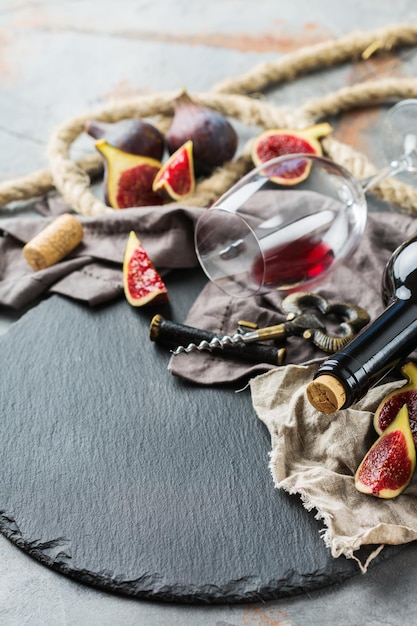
[
  {"x": 278, "y": 332},
  {"x": 171, "y": 333},
  {"x": 301, "y": 321}
]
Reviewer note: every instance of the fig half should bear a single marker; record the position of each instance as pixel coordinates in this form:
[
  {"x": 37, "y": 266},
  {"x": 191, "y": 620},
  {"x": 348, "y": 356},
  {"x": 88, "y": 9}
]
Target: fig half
[
  {"x": 278, "y": 142},
  {"x": 389, "y": 465},
  {"x": 175, "y": 179},
  {"x": 390, "y": 405},
  {"x": 128, "y": 178}
]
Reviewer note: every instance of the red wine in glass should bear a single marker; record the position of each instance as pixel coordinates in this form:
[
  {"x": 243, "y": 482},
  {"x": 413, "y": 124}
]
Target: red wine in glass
[{"x": 294, "y": 263}]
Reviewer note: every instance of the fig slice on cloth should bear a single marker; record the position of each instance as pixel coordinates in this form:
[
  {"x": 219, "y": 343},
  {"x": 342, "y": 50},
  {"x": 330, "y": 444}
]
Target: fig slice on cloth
[
  {"x": 389, "y": 465},
  {"x": 128, "y": 177},
  {"x": 281, "y": 141},
  {"x": 141, "y": 282},
  {"x": 176, "y": 178},
  {"x": 390, "y": 405}
]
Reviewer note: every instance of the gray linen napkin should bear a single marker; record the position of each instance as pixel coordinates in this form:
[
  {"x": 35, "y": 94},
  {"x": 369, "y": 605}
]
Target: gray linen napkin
[{"x": 93, "y": 272}]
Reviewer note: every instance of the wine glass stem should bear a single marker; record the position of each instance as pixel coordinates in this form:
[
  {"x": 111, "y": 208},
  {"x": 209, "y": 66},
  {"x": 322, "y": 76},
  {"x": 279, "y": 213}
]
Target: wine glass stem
[{"x": 404, "y": 164}]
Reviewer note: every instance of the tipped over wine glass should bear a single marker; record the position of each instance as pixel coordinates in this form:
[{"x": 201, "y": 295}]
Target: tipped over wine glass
[{"x": 291, "y": 221}]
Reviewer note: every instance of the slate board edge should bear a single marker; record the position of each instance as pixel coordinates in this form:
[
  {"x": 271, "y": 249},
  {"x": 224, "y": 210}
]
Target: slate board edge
[{"x": 142, "y": 587}]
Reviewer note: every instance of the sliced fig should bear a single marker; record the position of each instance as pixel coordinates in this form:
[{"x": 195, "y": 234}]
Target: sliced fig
[
  {"x": 141, "y": 282},
  {"x": 389, "y": 465},
  {"x": 131, "y": 135},
  {"x": 389, "y": 406},
  {"x": 278, "y": 142},
  {"x": 214, "y": 138},
  {"x": 128, "y": 178},
  {"x": 176, "y": 179}
]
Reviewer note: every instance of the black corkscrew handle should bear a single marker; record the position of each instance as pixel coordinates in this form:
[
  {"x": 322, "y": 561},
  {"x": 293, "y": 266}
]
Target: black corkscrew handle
[{"x": 173, "y": 334}]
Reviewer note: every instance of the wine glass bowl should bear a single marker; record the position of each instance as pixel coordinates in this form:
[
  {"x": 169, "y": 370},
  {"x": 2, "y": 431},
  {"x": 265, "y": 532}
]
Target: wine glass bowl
[{"x": 267, "y": 233}]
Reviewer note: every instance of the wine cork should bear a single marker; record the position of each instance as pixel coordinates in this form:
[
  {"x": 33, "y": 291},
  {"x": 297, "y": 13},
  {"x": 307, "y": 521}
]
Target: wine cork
[
  {"x": 326, "y": 394},
  {"x": 54, "y": 242}
]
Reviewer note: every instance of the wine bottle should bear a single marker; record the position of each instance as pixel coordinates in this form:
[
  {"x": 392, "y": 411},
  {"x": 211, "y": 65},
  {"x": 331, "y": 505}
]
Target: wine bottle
[{"x": 345, "y": 377}]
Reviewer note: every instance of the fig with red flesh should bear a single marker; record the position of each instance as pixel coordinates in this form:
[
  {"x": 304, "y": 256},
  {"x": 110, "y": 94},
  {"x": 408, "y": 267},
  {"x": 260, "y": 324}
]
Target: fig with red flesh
[
  {"x": 214, "y": 138},
  {"x": 279, "y": 142},
  {"x": 175, "y": 179},
  {"x": 389, "y": 465},
  {"x": 389, "y": 406},
  {"x": 131, "y": 135},
  {"x": 128, "y": 178},
  {"x": 141, "y": 282}
]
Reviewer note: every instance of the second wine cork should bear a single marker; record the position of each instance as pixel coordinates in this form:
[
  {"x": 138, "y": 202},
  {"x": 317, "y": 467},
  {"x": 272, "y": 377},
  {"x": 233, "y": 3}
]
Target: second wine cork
[
  {"x": 326, "y": 394},
  {"x": 54, "y": 242}
]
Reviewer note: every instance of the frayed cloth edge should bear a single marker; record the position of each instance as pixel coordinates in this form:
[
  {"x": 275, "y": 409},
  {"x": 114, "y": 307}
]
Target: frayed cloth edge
[{"x": 308, "y": 504}]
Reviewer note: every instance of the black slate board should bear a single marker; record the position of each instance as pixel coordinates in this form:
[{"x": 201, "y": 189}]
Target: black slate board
[{"x": 122, "y": 476}]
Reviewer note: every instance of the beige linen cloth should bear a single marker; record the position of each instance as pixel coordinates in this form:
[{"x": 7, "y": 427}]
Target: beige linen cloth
[{"x": 315, "y": 456}]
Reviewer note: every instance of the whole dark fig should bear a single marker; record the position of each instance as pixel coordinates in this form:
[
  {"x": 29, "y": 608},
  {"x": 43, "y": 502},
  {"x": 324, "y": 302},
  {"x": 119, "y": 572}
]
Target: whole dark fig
[
  {"x": 131, "y": 135},
  {"x": 214, "y": 138}
]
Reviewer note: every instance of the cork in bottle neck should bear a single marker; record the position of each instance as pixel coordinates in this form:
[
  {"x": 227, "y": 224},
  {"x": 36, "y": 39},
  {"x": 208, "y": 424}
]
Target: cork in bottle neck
[{"x": 326, "y": 394}]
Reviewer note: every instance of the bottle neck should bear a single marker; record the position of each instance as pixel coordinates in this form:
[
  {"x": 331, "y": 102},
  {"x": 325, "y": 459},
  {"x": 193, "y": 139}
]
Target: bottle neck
[{"x": 375, "y": 351}]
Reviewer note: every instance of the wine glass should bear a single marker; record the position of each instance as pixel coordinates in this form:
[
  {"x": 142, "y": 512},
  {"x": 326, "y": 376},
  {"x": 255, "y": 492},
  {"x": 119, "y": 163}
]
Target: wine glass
[
  {"x": 291, "y": 221},
  {"x": 399, "y": 140}
]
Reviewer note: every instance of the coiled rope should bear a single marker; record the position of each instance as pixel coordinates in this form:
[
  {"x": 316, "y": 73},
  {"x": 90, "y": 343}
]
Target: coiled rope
[{"x": 232, "y": 98}]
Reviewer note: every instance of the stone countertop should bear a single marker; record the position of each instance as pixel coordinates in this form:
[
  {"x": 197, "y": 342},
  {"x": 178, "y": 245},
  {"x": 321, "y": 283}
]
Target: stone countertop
[{"x": 59, "y": 59}]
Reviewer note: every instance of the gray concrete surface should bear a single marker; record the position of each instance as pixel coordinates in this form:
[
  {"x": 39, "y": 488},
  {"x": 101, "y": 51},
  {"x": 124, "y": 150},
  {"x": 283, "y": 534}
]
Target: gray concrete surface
[{"x": 58, "y": 58}]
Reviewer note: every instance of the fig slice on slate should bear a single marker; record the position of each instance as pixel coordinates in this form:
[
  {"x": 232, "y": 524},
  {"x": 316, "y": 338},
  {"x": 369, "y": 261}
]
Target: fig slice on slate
[
  {"x": 130, "y": 135},
  {"x": 175, "y": 179},
  {"x": 389, "y": 465},
  {"x": 389, "y": 406},
  {"x": 279, "y": 142},
  {"x": 141, "y": 282},
  {"x": 128, "y": 178}
]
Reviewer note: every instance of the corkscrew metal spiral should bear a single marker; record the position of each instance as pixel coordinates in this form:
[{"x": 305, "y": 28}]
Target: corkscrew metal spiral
[{"x": 218, "y": 343}]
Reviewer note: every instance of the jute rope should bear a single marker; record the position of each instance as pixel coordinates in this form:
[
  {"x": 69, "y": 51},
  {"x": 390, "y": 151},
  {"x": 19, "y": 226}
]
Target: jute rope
[
  {"x": 74, "y": 185},
  {"x": 73, "y": 179},
  {"x": 354, "y": 46}
]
